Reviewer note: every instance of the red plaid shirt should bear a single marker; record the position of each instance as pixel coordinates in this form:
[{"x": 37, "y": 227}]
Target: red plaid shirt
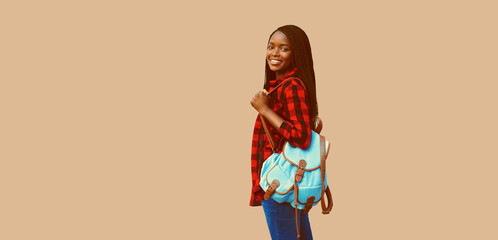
[{"x": 290, "y": 102}]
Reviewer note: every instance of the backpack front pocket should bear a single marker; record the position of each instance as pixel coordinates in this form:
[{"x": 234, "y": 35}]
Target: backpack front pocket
[{"x": 282, "y": 193}]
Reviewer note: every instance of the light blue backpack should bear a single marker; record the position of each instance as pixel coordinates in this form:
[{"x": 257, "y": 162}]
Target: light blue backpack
[{"x": 297, "y": 176}]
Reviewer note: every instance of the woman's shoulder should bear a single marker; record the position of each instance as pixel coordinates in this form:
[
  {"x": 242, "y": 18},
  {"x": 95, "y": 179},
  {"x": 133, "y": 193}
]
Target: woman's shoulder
[
  {"x": 292, "y": 83},
  {"x": 293, "y": 87}
]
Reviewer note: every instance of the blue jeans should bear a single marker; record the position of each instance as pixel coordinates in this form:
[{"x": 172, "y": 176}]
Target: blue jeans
[{"x": 281, "y": 220}]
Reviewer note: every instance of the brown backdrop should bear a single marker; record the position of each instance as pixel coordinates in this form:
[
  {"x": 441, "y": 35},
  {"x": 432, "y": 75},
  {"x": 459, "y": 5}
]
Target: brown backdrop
[{"x": 131, "y": 119}]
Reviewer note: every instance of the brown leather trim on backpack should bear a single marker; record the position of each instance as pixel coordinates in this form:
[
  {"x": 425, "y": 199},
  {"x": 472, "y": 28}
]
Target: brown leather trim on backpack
[
  {"x": 330, "y": 203},
  {"x": 300, "y": 171},
  {"x": 281, "y": 193},
  {"x": 309, "y": 204},
  {"x": 268, "y": 134},
  {"x": 296, "y": 165},
  {"x": 317, "y": 124},
  {"x": 271, "y": 189},
  {"x": 297, "y": 198},
  {"x": 322, "y": 162},
  {"x": 323, "y": 156},
  {"x": 277, "y": 192},
  {"x": 296, "y": 190}
]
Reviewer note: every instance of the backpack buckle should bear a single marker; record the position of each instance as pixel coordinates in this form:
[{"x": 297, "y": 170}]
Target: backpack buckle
[
  {"x": 300, "y": 170},
  {"x": 309, "y": 204},
  {"x": 271, "y": 189}
]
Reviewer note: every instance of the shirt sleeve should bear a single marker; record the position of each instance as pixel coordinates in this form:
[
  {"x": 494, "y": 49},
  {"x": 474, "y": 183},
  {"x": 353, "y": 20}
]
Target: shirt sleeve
[{"x": 296, "y": 127}]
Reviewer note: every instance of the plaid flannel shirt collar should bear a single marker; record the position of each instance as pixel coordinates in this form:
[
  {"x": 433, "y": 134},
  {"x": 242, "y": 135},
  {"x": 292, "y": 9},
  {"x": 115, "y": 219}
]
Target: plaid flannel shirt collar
[{"x": 274, "y": 83}]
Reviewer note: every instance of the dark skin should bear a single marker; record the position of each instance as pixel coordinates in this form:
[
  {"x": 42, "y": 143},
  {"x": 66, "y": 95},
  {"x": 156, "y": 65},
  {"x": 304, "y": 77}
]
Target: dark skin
[{"x": 279, "y": 59}]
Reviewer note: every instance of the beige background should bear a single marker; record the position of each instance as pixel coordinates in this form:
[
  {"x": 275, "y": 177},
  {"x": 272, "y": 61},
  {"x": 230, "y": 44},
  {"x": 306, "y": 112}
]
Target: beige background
[{"x": 131, "y": 119}]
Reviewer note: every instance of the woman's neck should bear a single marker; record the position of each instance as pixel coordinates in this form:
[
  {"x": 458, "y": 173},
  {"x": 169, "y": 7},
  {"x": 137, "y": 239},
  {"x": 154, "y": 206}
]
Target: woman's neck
[{"x": 279, "y": 75}]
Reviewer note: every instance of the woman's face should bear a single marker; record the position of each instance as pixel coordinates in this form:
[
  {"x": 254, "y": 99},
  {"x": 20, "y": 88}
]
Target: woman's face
[{"x": 279, "y": 54}]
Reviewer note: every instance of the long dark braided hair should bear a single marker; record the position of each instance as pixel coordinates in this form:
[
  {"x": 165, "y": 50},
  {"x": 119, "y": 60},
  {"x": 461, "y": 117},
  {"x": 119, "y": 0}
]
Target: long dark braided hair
[{"x": 302, "y": 59}]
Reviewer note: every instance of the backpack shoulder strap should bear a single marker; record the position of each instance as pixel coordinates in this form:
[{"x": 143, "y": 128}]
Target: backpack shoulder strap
[
  {"x": 273, "y": 144},
  {"x": 323, "y": 156},
  {"x": 299, "y": 81}
]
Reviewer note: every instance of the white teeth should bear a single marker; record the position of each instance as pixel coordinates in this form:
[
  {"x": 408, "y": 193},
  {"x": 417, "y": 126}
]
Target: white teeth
[{"x": 275, "y": 61}]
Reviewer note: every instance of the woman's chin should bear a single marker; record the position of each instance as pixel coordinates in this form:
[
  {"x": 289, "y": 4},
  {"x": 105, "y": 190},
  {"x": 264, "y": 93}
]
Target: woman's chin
[{"x": 274, "y": 69}]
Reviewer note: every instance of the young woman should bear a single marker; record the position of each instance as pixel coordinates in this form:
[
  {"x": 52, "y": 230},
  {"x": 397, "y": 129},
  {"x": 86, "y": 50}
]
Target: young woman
[{"x": 288, "y": 110}]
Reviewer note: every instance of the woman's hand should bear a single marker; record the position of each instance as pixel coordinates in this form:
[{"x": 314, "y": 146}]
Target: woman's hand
[{"x": 260, "y": 101}]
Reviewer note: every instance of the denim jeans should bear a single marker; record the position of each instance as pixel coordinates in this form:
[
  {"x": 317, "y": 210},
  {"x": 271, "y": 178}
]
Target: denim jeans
[{"x": 281, "y": 220}]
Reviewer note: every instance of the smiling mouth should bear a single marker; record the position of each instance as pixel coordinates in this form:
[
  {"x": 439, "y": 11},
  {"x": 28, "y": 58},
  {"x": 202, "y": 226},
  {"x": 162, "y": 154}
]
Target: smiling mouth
[{"x": 274, "y": 61}]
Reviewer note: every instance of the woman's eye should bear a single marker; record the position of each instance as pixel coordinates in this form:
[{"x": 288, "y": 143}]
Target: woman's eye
[{"x": 270, "y": 47}]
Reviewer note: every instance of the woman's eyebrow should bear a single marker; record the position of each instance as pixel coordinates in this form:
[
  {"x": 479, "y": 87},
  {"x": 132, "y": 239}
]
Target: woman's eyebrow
[{"x": 280, "y": 44}]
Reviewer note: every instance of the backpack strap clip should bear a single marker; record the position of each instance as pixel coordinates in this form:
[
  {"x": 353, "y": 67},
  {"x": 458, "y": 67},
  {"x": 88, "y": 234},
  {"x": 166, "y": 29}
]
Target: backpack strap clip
[
  {"x": 271, "y": 189},
  {"x": 300, "y": 170},
  {"x": 309, "y": 204}
]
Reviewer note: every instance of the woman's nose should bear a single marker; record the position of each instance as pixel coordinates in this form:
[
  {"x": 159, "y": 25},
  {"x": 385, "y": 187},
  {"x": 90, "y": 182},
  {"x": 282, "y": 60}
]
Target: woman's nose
[{"x": 275, "y": 52}]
